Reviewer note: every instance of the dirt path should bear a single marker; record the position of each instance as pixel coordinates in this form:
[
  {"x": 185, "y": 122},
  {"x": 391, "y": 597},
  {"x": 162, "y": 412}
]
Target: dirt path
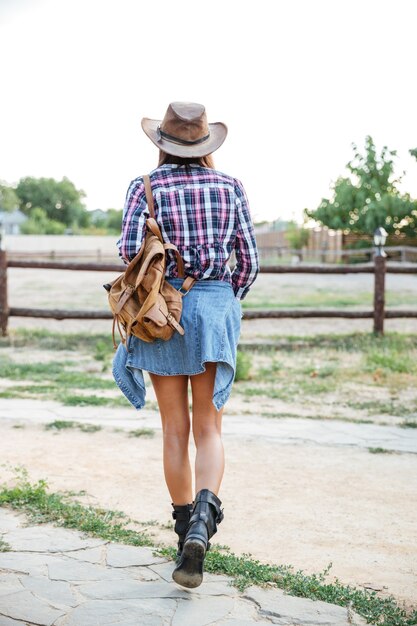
[{"x": 288, "y": 504}]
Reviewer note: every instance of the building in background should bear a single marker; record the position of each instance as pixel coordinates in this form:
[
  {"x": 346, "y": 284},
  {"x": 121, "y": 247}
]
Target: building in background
[{"x": 11, "y": 221}]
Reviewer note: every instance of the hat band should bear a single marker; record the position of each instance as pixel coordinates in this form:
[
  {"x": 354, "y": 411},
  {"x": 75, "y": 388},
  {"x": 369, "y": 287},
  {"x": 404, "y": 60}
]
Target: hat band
[{"x": 182, "y": 142}]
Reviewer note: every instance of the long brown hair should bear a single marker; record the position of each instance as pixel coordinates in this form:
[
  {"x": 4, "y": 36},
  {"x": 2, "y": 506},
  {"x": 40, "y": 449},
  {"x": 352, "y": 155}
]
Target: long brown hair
[{"x": 205, "y": 161}]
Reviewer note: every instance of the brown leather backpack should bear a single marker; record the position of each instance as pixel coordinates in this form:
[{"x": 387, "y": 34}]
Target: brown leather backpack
[{"x": 142, "y": 301}]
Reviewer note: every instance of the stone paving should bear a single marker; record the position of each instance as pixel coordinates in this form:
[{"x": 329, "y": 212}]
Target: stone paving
[
  {"x": 53, "y": 576},
  {"x": 285, "y": 430}
]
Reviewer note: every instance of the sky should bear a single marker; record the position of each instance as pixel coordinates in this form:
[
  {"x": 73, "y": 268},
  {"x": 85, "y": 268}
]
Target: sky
[{"x": 296, "y": 82}]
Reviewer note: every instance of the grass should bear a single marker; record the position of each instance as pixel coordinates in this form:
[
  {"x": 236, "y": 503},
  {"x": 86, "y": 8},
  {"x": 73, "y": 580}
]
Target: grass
[
  {"x": 60, "y": 508},
  {"x": 303, "y": 369},
  {"x": 330, "y": 418},
  {"x": 385, "y": 408},
  {"x": 141, "y": 432},
  {"x": 321, "y": 298},
  {"x": 4, "y": 546},
  {"x": 380, "y": 451},
  {"x": 66, "y": 424},
  {"x": 295, "y": 370},
  {"x": 408, "y": 424}
]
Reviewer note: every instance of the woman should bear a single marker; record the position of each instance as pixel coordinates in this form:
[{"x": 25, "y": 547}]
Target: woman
[{"x": 205, "y": 214}]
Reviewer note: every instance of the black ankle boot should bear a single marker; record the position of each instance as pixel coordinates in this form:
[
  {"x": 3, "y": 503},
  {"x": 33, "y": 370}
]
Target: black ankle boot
[
  {"x": 205, "y": 516},
  {"x": 181, "y": 514}
]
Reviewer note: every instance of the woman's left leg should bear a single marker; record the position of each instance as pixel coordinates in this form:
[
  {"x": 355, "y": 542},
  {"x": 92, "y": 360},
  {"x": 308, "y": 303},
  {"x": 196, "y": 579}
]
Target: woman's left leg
[
  {"x": 172, "y": 396},
  {"x": 207, "y": 432}
]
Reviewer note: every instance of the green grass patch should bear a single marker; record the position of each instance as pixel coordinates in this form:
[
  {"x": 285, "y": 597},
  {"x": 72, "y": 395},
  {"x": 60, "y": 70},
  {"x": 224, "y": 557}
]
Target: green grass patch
[
  {"x": 61, "y": 509},
  {"x": 320, "y": 298},
  {"x": 141, "y": 432},
  {"x": 390, "y": 360},
  {"x": 374, "y": 407},
  {"x": 42, "y": 506},
  {"x": 4, "y": 546},
  {"x": 409, "y": 424},
  {"x": 243, "y": 365},
  {"x": 47, "y": 340},
  {"x": 32, "y": 371},
  {"x": 353, "y": 342},
  {"x": 66, "y": 424},
  {"x": 328, "y": 418},
  {"x": 289, "y": 389},
  {"x": 380, "y": 451}
]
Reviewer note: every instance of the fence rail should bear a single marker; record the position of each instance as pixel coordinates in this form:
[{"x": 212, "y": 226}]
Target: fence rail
[
  {"x": 324, "y": 254},
  {"x": 379, "y": 268}
]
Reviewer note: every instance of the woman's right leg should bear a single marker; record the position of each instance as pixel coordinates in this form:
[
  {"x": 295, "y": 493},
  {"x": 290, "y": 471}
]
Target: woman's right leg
[{"x": 172, "y": 396}]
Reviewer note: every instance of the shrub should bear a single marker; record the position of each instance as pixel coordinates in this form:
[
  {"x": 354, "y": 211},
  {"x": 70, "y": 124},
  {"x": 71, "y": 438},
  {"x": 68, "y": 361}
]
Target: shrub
[{"x": 243, "y": 365}]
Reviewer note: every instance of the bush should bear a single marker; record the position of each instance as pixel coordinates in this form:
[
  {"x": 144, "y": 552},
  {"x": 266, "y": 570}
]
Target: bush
[{"x": 243, "y": 365}]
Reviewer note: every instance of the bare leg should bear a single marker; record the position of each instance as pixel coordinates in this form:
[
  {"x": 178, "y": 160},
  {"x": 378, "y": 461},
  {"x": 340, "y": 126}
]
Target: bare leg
[
  {"x": 172, "y": 395},
  {"x": 207, "y": 423}
]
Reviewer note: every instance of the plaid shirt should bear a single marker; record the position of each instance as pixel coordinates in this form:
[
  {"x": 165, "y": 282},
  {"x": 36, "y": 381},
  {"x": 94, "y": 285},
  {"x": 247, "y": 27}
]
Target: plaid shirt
[{"x": 205, "y": 214}]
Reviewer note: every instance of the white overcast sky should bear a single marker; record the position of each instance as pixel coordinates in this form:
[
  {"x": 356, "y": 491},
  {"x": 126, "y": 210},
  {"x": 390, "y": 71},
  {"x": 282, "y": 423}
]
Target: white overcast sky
[{"x": 296, "y": 82}]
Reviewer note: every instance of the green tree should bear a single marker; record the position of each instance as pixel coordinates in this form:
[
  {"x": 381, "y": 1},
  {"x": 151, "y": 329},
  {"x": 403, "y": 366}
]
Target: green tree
[
  {"x": 60, "y": 200},
  {"x": 114, "y": 220},
  {"x": 39, "y": 224},
  {"x": 369, "y": 197},
  {"x": 297, "y": 236},
  {"x": 8, "y": 198}
]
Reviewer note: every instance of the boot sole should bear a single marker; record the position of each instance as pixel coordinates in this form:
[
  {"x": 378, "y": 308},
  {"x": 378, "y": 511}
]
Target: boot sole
[{"x": 189, "y": 572}]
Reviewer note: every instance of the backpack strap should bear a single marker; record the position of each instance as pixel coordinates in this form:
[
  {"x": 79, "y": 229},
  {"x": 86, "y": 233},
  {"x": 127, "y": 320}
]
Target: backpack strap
[
  {"x": 189, "y": 281},
  {"x": 149, "y": 195}
]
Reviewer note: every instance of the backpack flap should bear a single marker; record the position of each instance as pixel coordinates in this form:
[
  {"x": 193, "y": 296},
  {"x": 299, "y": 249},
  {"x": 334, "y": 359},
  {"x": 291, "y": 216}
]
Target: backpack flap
[{"x": 159, "y": 315}]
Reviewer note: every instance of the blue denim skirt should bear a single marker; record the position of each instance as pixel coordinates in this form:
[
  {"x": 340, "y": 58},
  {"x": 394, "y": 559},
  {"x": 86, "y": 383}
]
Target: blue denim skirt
[{"x": 211, "y": 318}]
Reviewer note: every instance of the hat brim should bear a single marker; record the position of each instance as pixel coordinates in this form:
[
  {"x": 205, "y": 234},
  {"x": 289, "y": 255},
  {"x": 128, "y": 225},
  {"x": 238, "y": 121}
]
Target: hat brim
[{"x": 218, "y": 132}]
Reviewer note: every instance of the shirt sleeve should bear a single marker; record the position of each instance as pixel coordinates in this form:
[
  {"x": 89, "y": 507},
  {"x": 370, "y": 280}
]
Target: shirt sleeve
[
  {"x": 247, "y": 260},
  {"x": 135, "y": 214}
]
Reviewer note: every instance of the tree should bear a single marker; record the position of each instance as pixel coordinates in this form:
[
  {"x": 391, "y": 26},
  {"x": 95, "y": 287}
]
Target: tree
[
  {"x": 39, "y": 224},
  {"x": 297, "y": 236},
  {"x": 60, "y": 200},
  {"x": 114, "y": 220},
  {"x": 8, "y": 198},
  {"x": 369, "y": 197}
]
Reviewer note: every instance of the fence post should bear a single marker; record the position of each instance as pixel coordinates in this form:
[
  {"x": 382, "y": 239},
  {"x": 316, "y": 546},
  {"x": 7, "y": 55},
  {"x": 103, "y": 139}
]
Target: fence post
[
  {"x": 4, "y": 308},
  {"x": 379, "y": 293}
]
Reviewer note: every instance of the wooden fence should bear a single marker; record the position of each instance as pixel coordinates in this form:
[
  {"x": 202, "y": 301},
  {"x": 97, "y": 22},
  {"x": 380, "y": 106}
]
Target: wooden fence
[{"x": 379, "y": 268}]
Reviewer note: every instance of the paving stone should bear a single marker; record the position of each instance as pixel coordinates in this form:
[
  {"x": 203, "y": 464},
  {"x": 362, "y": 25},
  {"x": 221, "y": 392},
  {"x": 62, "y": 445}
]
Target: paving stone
[
  {"x": 57, "y": 593},
  {"x": 243, "y": 612},
  {"x": 134, "y": 588},
  {"x": 27, "y": 562},
  {"x": 9, "y": 520},
  {"x": 75, "y": 571},
  {"x": 164, "y": 570},
  {"x": 9, "y": 583},
  {"x": 125, "y": 556},
  {"x": 142, "y": 573},
  {"x": 121, "y": 613},
  {"x": 92, "y": 555},
  {"x": 286, "y": 610},
  {"x": 200, "y": 611},
  {"x": 7, "y": 621},
  {"x": 23, "y": 605},
  {"x": 48, "y": 538},
  {"x": 119, "y": 589},
  {"x": 239, "y": 622}
]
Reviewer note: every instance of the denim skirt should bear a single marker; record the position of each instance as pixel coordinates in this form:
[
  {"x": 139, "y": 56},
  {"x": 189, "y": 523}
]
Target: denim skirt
[{"x": 211, "y": 318}]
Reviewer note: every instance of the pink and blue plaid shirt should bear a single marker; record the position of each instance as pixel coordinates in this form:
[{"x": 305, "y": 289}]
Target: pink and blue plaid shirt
[{"x": 205, "y": 213}]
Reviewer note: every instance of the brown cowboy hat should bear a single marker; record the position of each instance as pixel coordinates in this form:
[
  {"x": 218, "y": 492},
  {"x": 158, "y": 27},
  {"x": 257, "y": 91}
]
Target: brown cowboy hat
[{"x": 184, "y": 131}]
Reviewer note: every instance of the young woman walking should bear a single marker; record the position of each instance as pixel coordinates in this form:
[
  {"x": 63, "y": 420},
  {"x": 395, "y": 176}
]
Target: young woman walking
[{"x": 205, "y": 214}]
